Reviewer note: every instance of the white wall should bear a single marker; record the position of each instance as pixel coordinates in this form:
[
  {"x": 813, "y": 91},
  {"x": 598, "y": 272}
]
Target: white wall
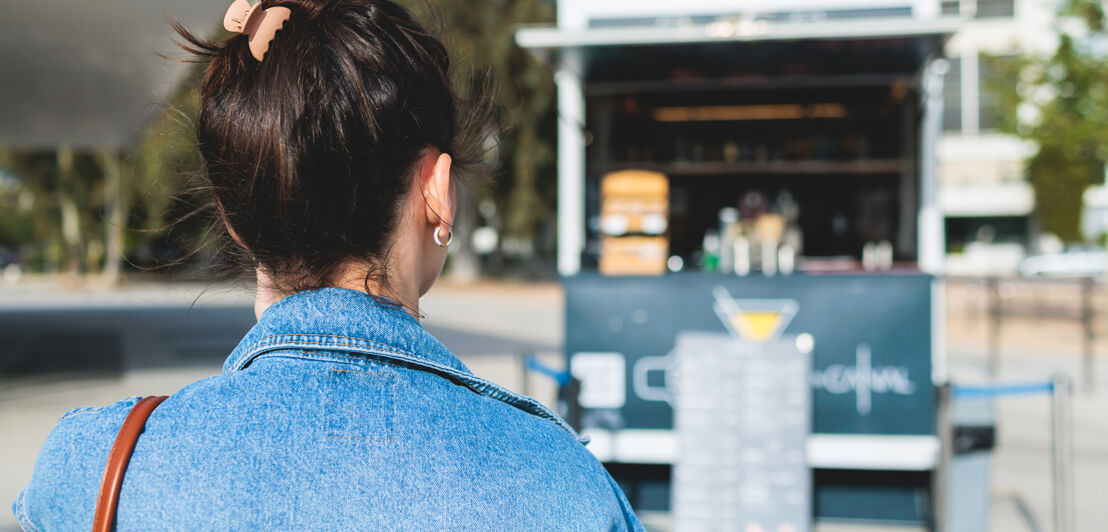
[
  {"x": 576, "y": 13},
  {"x": 977, "y": 165}
]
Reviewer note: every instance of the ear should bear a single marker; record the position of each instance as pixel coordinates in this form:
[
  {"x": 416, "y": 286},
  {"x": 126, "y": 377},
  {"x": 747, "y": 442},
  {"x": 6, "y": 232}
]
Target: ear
[{"x": 437, "y": 188}]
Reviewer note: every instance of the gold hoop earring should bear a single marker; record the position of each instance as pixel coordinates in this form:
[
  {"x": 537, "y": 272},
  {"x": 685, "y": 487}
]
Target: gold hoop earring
[{"x": 449, "y": 237}]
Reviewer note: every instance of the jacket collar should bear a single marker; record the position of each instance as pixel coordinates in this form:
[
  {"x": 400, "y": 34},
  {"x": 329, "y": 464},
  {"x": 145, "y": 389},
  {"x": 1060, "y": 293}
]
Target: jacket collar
[{"x": 338, "y": 318}]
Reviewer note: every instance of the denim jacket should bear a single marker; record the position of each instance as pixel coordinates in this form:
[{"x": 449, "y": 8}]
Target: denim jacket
[{"x": 335, "y": 412}]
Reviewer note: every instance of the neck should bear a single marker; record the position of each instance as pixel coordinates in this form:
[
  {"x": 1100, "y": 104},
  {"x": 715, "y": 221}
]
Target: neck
[{"x": 404, "y": 289}]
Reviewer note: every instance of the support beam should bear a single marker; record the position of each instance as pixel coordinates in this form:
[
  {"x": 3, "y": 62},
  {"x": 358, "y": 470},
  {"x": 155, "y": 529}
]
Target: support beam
[
  {"x": 932, "y": 242},
  {"x": 571, "y": 170}
]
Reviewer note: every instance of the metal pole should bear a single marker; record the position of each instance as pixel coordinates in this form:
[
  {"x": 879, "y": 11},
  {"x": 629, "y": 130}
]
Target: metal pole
[
  {"x": 525, "y": 381},
  {"x": 571, "y": 165},
  {"x": 940, "y": 477},
  {"x": 1062, "y": 452},
  {"x": 1087, "y": 340},
  {"x": 570, "y": 394},
  {"x": 995, "y": 310},
  {"x": 932, "y": 240}
]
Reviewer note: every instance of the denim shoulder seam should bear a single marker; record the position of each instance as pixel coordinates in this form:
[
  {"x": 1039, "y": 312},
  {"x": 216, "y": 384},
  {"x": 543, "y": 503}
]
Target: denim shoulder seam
[
  {"x": 82, "y": 410},
  {"x": 19, "y": 508},
  {"x": 133, "y": 400}
]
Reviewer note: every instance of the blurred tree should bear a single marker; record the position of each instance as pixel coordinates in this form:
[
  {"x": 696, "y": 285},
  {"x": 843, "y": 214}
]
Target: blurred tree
[
  {"x": 524, "y": 188},
  {"x": 37, "y": 171},
  {"x": 16, "y": 224},
  {"x": 82, "y": 215},
  {"x": 115, "y": 213},
  {"x": 1061, "y": 102},
  {"x": 159, "y": 181},
  {"x": 65, "y": 192}
]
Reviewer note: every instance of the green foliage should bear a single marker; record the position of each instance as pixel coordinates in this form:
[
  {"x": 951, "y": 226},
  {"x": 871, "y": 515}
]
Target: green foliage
[
  {"x": 480, "y": 34},
  {"x": 1061, "y": 103},
  {"x": 166, "y": 160},
  {"x": 16, "y": 202},
  {"x": 36, "y": 170},
  {"x": 41, "y": 232},
  {"x": 1060, "y": 180}
]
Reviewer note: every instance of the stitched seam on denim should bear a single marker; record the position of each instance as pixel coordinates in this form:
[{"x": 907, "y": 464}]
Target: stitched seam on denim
[
  {"x": 259, "y": 350},
  {"x": 333, "y": 344},
  {"x": 405, "y": 357},
  {"x": 479, "y": 385},
  {"x": 316, "y": 355},
  {"x": 310, "y": 356},
  {"x": 83, "y": 410},
  {"x": 359, "y": 371},
  {"x": 264, "y": 338},
  {"x": 357, "y": 438},
  {"x": 26, "y": 524},
  {"x": 21, "y": 514}
]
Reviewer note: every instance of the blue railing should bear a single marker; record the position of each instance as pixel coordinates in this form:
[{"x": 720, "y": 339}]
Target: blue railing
[
  {"x": 961, "y": 391},
  {"x": 533, "y": 364}
]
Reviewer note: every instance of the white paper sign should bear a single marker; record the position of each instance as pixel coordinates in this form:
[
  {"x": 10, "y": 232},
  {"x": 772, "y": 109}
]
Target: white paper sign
[{"x": 603, "y": 379}]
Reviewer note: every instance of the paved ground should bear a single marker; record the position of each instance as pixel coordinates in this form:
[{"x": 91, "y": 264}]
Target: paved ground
[
  {"x": 487, "y": 325},
  {"x": 1033, "y": 348}
]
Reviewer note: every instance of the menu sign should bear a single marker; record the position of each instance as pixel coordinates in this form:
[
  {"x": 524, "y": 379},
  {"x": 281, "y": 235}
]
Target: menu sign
[{"x": 741, "y": 413}]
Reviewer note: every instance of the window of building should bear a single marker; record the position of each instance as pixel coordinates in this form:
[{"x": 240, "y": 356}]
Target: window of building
[
  {"x": 988, "y": 229},
  {"x": 952, "y": 96},
  {"x": 998, "y": 90},
  {"x": 995, "y": 8},
  {"x": 950, "y": 7}
]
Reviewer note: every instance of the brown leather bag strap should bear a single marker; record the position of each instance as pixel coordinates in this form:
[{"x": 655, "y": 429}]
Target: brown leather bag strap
[{"x": 124, "y": 444}]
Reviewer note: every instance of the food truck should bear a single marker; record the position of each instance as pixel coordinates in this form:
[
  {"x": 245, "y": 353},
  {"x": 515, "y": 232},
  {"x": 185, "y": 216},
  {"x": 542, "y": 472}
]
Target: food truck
[{"x": 764, "y": 172}]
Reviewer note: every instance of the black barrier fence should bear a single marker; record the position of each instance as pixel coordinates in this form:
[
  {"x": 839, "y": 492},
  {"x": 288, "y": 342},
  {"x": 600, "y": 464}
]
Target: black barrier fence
[{"x": 1000, "y": 301}]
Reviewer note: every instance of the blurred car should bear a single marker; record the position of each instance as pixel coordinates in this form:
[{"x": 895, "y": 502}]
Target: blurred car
[
  {"x": 10, "y": 268},
  {"x": 1076, "y": 262}
]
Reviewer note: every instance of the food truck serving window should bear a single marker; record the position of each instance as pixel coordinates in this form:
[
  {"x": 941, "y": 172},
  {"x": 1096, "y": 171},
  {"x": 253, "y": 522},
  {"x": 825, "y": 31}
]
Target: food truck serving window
[{"x": 809, "y": 147}]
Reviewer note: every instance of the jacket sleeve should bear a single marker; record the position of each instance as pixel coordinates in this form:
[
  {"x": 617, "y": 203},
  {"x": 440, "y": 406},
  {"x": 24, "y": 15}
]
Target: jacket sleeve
[
  {"x": 61, "y": 494},
  {"x": 629, "y": 517}
]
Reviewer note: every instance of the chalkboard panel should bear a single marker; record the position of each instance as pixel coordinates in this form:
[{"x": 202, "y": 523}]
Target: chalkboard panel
[{"x": 871, "y": 366}]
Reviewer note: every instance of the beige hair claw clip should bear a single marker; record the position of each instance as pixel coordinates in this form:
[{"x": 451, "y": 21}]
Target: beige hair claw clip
[{"x": 260, "y": 25}]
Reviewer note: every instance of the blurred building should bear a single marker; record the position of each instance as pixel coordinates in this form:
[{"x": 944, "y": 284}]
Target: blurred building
[
  {"x": 1094, "y": 215},
  {"x": 985, "y": 195}
]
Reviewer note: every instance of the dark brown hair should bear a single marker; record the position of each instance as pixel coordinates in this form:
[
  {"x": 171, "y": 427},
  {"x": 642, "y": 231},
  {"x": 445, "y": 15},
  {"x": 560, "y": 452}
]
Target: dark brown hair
[{"x": 308, "y": 153}]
